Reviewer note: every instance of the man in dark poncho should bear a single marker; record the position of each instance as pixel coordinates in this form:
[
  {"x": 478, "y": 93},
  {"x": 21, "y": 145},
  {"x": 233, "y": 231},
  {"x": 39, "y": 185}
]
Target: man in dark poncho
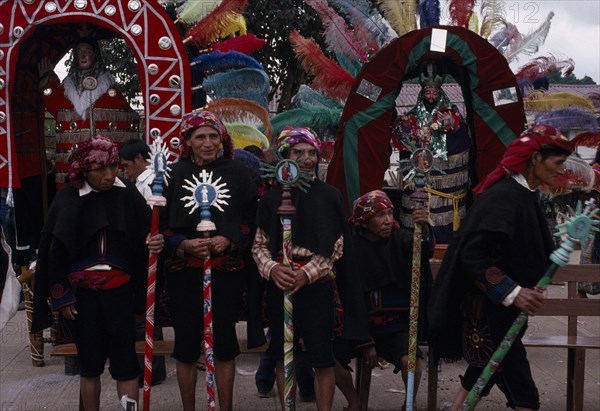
[
  {"x": 318, "y": 242},
  {"x": 93, "y": 253},
  {"x": 493, "y": 262},
  {"x": 384, "y": 257},
  {"x": 207, "y": 146}
]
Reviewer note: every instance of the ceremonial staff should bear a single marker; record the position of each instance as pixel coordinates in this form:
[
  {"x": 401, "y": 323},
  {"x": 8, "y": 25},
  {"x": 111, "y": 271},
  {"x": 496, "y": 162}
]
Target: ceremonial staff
[
  {"x": 207, "y": 193},
  {"x": 422, "y": 162},
  {"x": 287, "y": 173},
  {"x": 158, "y": 163},
  {"x": 577, "y": 228}
]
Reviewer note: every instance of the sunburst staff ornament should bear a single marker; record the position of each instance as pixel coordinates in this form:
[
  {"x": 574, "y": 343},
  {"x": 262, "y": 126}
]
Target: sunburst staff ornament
[
  {"x": 207, "y": 193},
  {"x": 160, "y": 166},
  {"x": 287, "y": 173},
  {"x": 576, "y": 228}
]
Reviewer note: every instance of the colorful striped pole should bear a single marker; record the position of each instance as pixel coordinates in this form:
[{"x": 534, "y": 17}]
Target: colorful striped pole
[
  {"x": 288, "y": 321},
  {"x": 159, "y": 165},
  {"x": 577, "y": 228}
]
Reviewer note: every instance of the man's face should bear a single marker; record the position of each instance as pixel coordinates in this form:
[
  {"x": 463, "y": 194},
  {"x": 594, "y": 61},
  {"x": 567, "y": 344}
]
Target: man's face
[
  {"x": 103, "y": 178},
  {"x": 204, "y": 142},
  {"x": 133, "y": 168},
  {"x": 380, "y": 225},
  {"x": 431, "y": 95},
  {"x": 547, "y": 171},
  {"x": 305, "y": 155},
  {"x": 84, "y": 53}
]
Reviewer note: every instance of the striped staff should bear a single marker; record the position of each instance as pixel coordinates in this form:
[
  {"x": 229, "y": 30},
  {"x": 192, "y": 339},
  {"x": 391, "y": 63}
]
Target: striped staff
[
  {"x": 287, "y": 173},
  {"x": 576, "y": 228},
  {"x": 422, "y": 162},
  {"x": 158, "y": 164},
  {"x": 207, "y": 193}
]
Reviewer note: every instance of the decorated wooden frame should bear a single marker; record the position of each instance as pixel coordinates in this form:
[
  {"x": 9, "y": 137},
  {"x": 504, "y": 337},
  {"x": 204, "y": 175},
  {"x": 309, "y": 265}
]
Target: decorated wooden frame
[
  {"x": 494, "y": 104},
  {"x": 155, "y": 41}
]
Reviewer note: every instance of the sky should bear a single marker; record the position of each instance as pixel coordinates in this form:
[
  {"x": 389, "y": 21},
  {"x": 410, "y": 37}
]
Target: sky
[{"x": 574, "y": 32}]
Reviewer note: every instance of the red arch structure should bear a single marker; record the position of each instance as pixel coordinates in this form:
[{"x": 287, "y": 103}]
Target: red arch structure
[
  {"x": 162, "y": 62},
  {"x": 362, "y": 147}
]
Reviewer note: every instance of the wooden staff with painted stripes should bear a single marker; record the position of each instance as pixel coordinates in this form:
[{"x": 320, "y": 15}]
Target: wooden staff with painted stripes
[{"x": 158, "y": 163}]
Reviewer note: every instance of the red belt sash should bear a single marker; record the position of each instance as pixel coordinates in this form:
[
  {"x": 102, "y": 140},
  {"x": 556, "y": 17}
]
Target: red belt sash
[{"x": 98, "y": 280}]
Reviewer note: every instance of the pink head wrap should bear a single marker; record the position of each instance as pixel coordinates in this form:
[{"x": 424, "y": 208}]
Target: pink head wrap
[
  {"x": 291, "y": 136},
  {"x": 204, "y": 118},
  {"x": 95, "y": 152},
  {"x": 519, "y": 151}
]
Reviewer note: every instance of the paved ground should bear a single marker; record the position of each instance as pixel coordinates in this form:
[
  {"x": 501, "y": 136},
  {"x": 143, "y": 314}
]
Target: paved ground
[{"x": 27, "y": 388}]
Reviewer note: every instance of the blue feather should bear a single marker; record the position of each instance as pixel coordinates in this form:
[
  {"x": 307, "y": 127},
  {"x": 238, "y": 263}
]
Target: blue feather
[
  {"x": 568, "y": 118},
  {"x": 362, "y": 11},
  {"x": 429, "y": 13},
  {"x": 247, "y": 83},
  {"x": 308, "y": 96},
  {"x": 315, "y": 117},
  {"x": 217, "y": 61}
]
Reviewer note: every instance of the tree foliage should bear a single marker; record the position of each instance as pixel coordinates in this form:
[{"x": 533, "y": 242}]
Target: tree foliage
[
  {"x": 556, "y": 78},
  {"x": 273, "y": 21}
]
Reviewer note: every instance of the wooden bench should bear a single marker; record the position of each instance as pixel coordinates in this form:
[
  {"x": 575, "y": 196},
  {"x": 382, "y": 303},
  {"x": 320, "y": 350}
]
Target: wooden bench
[{"x": 571, "y": 307}]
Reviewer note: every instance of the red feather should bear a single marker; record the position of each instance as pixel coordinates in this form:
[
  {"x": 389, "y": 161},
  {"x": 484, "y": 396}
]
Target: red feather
[
  {"x": 217, "y": 21},
  {"x": 330, "y": 78},
  {"x": 587, "y": 139},
  {"x": 248, "y": 43},
  {"x": 544, "y": 65},
  {"x": 461, "y": 11}
]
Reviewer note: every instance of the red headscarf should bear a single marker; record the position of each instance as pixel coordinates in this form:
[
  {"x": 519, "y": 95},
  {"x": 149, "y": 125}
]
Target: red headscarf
[
  {"x": 520, "y": 150},
  {"x": 95, "y": 152},
  {"x": 369, "y": 204}
]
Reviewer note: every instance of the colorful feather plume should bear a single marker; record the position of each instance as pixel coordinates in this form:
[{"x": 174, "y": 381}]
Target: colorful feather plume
[
  {"x": 473, "y": 23},
  {"x": 307, "y": 96},
  {"x": 542, "y": 101},
  {"x": 329, "y": 77},
  {"x": 502, "y": 39},
  {"x": 368, "y": 23},
  {"x": 216, "y": 61},
  {"x": 595, "y": 99},
  {"x": 315, "y": 117},
  {"x": 218, "y": 21},
  {"x": 339, "y": 38},
  {"x": 543, "y": 65},
  {"x": 587, "y": 139},
  {"x": 239, "y": 110},
  {"x": 530, "y": 44},
  {"x": 245, "y": 135},
  {"x": 578, "y": 176},
  {"x": 429, "y": 13},
  {"x": 460, "y": 12},
  {"x": 493, "y": 15},
  {"x": 568, "y": 118},
  {"x": 192, "y": 11},
  {"x": 400, "y": 14},
  {"x": 248, "y": 83},
  {"x": 247, "y": 44}
]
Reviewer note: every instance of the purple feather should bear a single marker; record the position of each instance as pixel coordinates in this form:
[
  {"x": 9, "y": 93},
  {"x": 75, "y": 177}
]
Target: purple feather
[
  {"x": 429, "y": 13},
  {"x": 568, "y": 118}
]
